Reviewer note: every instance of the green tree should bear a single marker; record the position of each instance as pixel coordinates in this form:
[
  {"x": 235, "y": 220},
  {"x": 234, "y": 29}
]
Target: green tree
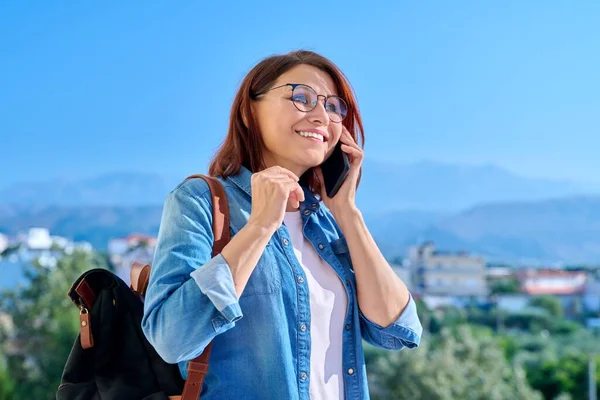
[
  {"x": 556, "y": 364},
  {"x": 529, "y": 320},
  {"x": 463, "y": 363},
  {"x": 7, "y": 386},
  {"x": 505, "y": 285},
  {"x": 564, "y": 375},
  {"x": 548, "y": 303},
  {"x": 45, "y": 325}
]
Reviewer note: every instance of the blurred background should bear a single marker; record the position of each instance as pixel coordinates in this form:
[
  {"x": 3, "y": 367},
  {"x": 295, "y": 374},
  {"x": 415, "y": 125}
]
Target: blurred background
[{"x": 480, "y": 182}]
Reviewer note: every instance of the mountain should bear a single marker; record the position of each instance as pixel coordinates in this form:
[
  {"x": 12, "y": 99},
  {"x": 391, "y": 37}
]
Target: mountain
[
  {"x": 484, "y": 209},
  {"x": 394, "y": 230},
  {"x": 449, "y": 187},
  {"x": 121, "y": 189},
  {"x": 385, "y": 187},
  {"x": 556, "y": 230},
  {"x": 94, "y": 224}
]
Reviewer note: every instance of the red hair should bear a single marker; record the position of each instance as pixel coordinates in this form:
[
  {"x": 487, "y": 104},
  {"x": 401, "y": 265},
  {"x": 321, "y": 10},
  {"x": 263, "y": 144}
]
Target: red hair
[{"x": 243, "y": 144}]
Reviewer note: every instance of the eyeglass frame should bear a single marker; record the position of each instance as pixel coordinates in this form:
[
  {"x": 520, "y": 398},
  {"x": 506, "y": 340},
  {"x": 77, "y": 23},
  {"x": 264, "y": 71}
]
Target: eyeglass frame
[{"x": 294, "y": 86}]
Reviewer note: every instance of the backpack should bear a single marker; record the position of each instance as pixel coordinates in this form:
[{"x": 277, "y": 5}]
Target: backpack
[{"x": 111, "y": 357}]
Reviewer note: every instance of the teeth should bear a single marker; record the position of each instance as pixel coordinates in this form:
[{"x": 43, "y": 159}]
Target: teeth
[{"x": 311, "y": 134}]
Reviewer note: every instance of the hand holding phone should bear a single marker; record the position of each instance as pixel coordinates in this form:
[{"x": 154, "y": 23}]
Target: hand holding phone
[{"x": 335, "y": 170}]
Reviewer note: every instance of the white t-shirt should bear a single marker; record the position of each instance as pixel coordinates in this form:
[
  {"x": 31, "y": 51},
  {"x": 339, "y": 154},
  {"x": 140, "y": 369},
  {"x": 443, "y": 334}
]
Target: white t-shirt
[{"x": 328, "y": 305}]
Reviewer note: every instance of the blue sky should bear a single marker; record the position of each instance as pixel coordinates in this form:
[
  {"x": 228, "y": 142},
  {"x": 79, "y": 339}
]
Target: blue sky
[{"x": 97, "y": 87}]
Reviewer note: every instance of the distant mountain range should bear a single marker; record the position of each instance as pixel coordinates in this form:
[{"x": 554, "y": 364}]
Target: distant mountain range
[
  {"x": 116, "y": 189},
  {"x": 485, "y": 210},
  {"x": 424, "y": 186},
  {"x": 442, "y": 187},
  {"x": 94, "y": 224},
  {"x": 560, "y": 230}
]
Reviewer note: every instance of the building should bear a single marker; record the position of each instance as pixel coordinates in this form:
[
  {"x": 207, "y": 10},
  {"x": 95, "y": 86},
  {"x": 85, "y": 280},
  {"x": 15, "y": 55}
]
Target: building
[
  {"x": 568, "y": 287},
  {"x": 499, "y": 273},
  {"x": 552, "y": 282},
  {"x": 591, "y": 296},
  {"x": 3, "y": 243},
  {"x": 123, "y": 252},
  {"x": 38, "y": 239},
  {"x": 440, "y": 273},
  {"x": 120, "y": 246}
]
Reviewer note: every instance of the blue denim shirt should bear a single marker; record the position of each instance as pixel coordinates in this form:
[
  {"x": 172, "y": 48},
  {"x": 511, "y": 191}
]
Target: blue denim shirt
[{"x": 261, "y": 346}]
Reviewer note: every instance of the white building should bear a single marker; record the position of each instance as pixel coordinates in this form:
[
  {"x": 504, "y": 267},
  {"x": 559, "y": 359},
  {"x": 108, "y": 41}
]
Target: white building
[
  {"x": 33, "y": 245},
  {"x": 3, "y": 242},
  {"x": 117, "y": 247},
  {"x": 552, "y": 282},
  {"x": 498, "y": 273},
  {"x": 123, "y": 252},
  {"x": 591, "y": 296},
  {"x": 440, "y": 273},
  {"x": 38, "y": 239}
]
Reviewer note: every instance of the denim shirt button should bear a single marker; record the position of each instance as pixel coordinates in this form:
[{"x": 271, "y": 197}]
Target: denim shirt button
[
  {"x": 351, "y": 371},
  {"x": 303, "y": 327},
  {"x": 285, "y": 242},
  {"x": 300, "y": 279},
  {"x": 321, "y": 247},
  {"x": 306, "y": 212},
  {"x": 348, "y": 327},
  {"x": 303, "y": 376}
]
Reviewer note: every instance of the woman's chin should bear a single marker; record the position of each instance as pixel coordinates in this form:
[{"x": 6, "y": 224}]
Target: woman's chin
[
  {"x": 312, "y": 162},
  {"x": 313, "y": 157}
]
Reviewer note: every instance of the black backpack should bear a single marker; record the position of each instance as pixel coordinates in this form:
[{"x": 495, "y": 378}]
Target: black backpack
[{"x": 111, "y": 357}]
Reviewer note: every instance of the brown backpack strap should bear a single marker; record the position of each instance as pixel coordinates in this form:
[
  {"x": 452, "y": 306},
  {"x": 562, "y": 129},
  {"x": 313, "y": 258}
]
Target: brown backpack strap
[
  {"x": 198, "y": 367},
  {"x": 139, "y": 277},
  {"x": 140, "y": 273},
  {"x": 220, "y": 213}
]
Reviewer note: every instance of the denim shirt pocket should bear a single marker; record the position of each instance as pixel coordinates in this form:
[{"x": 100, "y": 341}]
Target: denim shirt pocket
[
  {"x": 341, "y": 251},
  {"x": 266, "y": 277}
]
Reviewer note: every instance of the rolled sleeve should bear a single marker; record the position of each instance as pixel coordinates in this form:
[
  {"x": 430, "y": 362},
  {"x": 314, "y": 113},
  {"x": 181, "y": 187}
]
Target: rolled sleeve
[
  {"x": 215, "y": 280},
  {"x": 406, "y": 331}
]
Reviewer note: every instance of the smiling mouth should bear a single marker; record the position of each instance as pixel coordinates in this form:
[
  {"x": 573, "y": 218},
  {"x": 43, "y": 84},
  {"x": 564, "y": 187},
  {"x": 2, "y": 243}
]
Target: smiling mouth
[{"x": 312, "y": 135}]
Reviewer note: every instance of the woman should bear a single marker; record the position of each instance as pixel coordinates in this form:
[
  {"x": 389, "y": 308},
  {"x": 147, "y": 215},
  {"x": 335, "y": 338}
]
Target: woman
[{"x": 302, "y": 282}]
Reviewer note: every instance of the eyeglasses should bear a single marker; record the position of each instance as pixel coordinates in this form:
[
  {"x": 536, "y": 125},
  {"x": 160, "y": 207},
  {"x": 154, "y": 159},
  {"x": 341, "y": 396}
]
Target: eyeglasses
[{"x": 305, "y": 99}]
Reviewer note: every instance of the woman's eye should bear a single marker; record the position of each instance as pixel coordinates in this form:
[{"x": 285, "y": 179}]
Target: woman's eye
[{"x": 300, "y": 99}]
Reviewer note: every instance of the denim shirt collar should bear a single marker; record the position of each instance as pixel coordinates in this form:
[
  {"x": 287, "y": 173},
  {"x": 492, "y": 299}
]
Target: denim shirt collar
[{"x": 242, "y": 180}]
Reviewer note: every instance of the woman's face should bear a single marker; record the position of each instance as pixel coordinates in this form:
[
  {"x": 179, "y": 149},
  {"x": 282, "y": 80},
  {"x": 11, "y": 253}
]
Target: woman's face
[{"x": 284, "y": 128}]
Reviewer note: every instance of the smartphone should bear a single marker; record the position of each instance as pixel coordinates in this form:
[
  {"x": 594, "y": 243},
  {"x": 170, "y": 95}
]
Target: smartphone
[{"x": 335, "y": 170}]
